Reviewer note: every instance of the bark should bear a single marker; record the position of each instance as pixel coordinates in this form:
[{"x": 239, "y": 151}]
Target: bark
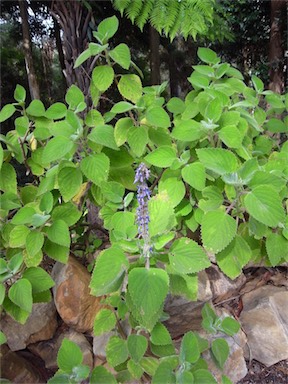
[
  {"x": 59, "y": 46},
  {"x": 276, "y": 48},
  {"x": 27, "y": 46},
  {"x": 154, "y": 56},
  {"x": 74, "y": 20}
]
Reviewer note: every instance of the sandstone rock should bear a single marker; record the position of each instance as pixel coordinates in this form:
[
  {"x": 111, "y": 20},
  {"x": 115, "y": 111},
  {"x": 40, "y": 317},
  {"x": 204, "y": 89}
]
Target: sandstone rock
[
  {"x": 185, "y": 315},
  {"x": 17, "y": 369},
  {"x": 265, "y": 321},
  {"x": 72, "y": 296},
  {"x": 48, "y": 350},
  {"x": 222, "y": 287},
  {"x": 41, "y": 325}
]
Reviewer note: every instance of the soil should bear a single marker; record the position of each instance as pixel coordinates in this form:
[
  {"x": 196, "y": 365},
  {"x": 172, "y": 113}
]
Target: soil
[{"x": 259, "y": 374}]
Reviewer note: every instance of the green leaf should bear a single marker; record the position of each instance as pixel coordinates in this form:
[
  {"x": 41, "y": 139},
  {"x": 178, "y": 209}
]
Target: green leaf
[
  {"x": 121, "y": 55},
  {"x": 122, "y": 106},
  {"x": 56, "y": 148},
  {"x": 23, "y": 216},
  {"x": 187, "y": 130},
  {"x": 6, "y": 112},
  {"x": 189, "y": 351},
  {"x": 46, "y": 202},
  {"x": 100, "y": 375},
  {"x": 74, "y": 97},
  {"x": 34, "y": 242},
  {"x": 20, "y": 294},
  {"x": 105, "y": 321},
  {"x": 213, "y": 110},
  {"x": 176, "y": 105},
  {"x": 231, "y": 136},
  {"x": 199, "y": 81},
  {"x": 56, "y": 252},
  {"x": 102, "y": 77},
  {"x": 130, "y": 87},
  {"x": 230, "y": 326},
  {"x": 121, "y": 130},
  {"x": 70, "y": 182},
  {"x": 137, "y": 346},
  {"x": 234, "y": 257},
  {"x": 69, "y": 356},
  {"x": 8, "y": 180},
  {"x": 218, "y": 160},
  {"x": 217, "y": 230},
  {"x": 158, "y": 117},
  {"x": 225, "y": 380},
  {"x": 109, "y": 271},
  {"x": 113, "y": 191},
  {"x": 138, "y": 139},
  {"x": 202, "y": 376},
  {"x": 67, "y": 212},
  {"x": 1, "y": 156},
  {"x": 108, "y": 27},
  {"x": 22, "y": 125},
  {"x": 56, "y": 111},
  {"x": 36, "y": 108},
  {"x": 194, "y": 174},
  {"x": 148, "y": 289},
  {"x": 39, "y": 279},
  {"x": 164, "y": 374},
  {"x": 264, "y": 204},
  {"x": 116, "y": 351},
  {"x": 20, "y": 93},
  {"x": 184, "y": 285},
  {"x": 85, "y": 55},
  {"x": 174, "y": 188},
  {"x": 277, "y": 248},
  {"x": 14, "y": 311},
  {"x": 161, "y": 213},
  {"x": 3, "y": 339},
  {"x": 59, "y": 233},
  {"x": 186, "y": 256},
  {"x": 15, "y": 263},
  {"x": 103, "y": 135},
  {"x": 258, "y": 84},
  {"x": 2, "y": 294},
  {"x": 96, "y": 168},
  {"x": 135, "y": 369},
  {"x": 18, "y": 236},
  {"x": 208, "y": 56},
  {"x": 276, "y": 125},
  {"x": 162, "y": 157},
  {"x": 160, "y": 335},
  {"x": 220, "y": 350}
]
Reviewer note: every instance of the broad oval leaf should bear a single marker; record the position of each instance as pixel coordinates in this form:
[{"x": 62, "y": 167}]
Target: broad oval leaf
[
  {"x": 264, "y": 204},
  {"x": 56, "y": 148},
  {"x": 39, "y": 279},
  {"x": 102, "y": 77},
  {"x": 116, "y": 351},
  {"x": 158, "y": 117},
  {"x": 137, "y": 345},
  {"x": 162, "y": 157},
  {"x": 100, "y": 375},
  {"x": 218, "y": 160},
  {"x": 121, "y": 55},
  {"x": 105, "y": 321},
  {"x": 69, "y": 356},
  {"x": 194, "y": 174},
  {"x": 148, "y": 289},
  {"x": 103, "y": 135},
  {"x": 277, "y": 248},
  {"x": 59, "y": 233},
  {"x": 130, "y": 87},
  {"x": 217, "y": 230},
  {"x": 220, "y": 350},
  {"x": 186, "y": 256},
  {"x": 109, "y": 271},
  {"x": 70, "y": 182},
  {"x": 20, "y": 294},
  {"x": 96, "y": 168}
]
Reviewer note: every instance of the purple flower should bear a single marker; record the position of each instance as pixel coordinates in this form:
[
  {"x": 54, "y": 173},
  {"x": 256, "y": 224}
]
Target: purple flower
[{"x": 143, "y": 196}]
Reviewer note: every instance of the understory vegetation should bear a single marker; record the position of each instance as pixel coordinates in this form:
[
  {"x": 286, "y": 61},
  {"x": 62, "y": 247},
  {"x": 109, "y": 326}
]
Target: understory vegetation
[{"x": 179, "y": 185}]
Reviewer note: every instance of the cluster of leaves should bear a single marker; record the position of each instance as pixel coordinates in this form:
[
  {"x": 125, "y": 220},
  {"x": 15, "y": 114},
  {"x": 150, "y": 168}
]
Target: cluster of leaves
[
  {"x": 188, "y": 17},
  {"x": 218, "y": 167},
  {"x": 130, "y": 361}
]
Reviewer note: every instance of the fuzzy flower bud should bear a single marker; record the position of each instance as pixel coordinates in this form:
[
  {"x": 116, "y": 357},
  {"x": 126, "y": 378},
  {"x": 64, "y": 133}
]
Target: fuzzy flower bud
[{"x": 143, "y": 196}]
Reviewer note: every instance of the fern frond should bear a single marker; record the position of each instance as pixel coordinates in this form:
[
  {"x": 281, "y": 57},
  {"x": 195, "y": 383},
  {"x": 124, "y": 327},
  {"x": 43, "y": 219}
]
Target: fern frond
[
  {"x": 144, "y": 15},
  {"x": 158, "y": 14},
  {"x": 176, "y": 27},
  {"x": 134, "y": 9},
  {"x": 121, "y": 5},
  {"x": 171, "y": 15}
]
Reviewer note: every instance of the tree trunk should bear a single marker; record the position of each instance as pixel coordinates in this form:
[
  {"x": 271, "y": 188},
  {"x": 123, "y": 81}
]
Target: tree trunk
[
  {"x": 27, "y": 46},
  {"x": 59, "y": 46},
  {"x": 154, "y": 56},
  {"x": 74, "y": 20},
  {"x": 276, "y": 49}
]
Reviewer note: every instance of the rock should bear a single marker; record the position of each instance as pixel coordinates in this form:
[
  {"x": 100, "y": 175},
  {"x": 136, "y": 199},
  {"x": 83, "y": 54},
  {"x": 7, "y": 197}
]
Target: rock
[
  {"x": 48, "y": 350},
  {"x": 222, "y": 287},
  {"x": 265, "y": 321},
  {"x": 72, "y": 296},
  {"x": 40, "y": 325},
  {"x": 17, "y": 369},
  {"x": 185, "y": 315}
]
